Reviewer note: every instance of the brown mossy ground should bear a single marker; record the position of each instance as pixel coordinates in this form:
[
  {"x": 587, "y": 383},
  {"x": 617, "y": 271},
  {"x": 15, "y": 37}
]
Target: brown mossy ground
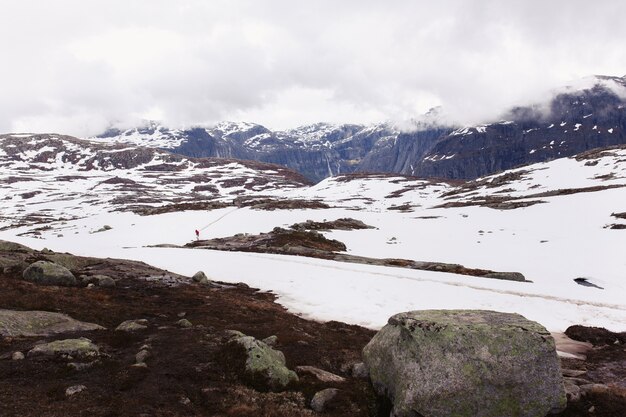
[
  {"x": 191, "y": 371},
  {"x": 195, "y": 372}
]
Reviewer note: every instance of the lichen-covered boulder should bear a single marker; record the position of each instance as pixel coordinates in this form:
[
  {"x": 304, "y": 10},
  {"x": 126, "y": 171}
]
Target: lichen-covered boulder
[
  {"x": 40, "y": 323},
  {"x": 265, "y": 363},
  {"x": 75, "y": 348},
  {"x": 440, "y": 363},
  {"x": 49, "y": 273}
]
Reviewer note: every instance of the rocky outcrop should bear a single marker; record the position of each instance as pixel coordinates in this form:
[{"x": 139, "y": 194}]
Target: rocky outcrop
[
  {"x": 40, "y": 323},
  {"x": 439, "y": 363},
  {"x": 49, "y": 273}
]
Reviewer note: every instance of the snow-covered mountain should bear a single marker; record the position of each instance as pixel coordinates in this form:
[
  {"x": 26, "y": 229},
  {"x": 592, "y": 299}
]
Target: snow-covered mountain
[
  {"x": 554, "y": 222},
  {"x": 317, "y": 151},
  {"x": 574, "y": 119}
]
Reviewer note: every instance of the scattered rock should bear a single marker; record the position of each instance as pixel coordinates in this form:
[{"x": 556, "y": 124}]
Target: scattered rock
[
  {"x": 265, "y": 363},
  {"x": 75, "y": 348},
  {"x": 40, "y": 323},
  {"x": 359, "y": 370},
  {"x": 200, "y": 277},
  {"x": 17, "y": 356},
  {"x": 321, "y": 398},
  {"x": 184, "y": 323},
  {"x": 132, "y": 325},
  {"x": 75, "y": 389},
  {"x": 598, "y": 336},
  {"x": 102, "y": 229},
  {"x": 320, "y": 374},
  {"x": 587, "y": 389},
  {"x": 572, "y": 392},
  {"x": 81, "y": 366},
  {"x": 442, "y": 362},
  {"x": 49, "y": 273},
  {"x": 105, "y": 281},
  {"x": 139, "y": 365},
  {"x": 142, "y": 355}
]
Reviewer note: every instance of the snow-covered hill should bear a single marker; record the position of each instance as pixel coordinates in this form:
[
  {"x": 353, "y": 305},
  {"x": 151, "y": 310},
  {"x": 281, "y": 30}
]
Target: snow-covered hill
[
  {"x": 554, "y": 222},
  {"x": 47, "y": 179}
]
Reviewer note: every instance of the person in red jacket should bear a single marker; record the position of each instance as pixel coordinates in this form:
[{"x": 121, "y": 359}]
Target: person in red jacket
[{"x": 197, "y": 234}]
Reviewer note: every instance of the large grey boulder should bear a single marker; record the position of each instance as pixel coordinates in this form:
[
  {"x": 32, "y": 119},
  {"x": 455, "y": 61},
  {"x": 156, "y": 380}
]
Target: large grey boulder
[
  {"x": 264, "y": 363},
  {"x": 49, "y": 273},
  {"x": 40, "y": 323},
  {"x": 440, "y": 363}
]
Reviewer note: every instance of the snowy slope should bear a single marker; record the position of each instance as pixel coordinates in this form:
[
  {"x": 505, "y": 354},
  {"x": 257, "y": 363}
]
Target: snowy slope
[{"x": 548, "y": 221}]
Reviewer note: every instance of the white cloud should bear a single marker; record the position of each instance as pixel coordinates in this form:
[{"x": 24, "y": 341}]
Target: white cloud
[{"x": 79, "y": 66}]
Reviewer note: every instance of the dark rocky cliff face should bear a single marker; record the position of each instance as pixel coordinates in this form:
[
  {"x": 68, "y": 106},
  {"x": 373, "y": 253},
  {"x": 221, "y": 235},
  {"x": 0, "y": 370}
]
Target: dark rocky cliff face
[
  {"x": 403, "y": 152},
  {"x": 576, "y": 122}
]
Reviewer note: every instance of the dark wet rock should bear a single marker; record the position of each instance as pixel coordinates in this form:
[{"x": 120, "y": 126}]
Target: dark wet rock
[
  {"x": 466, "y": 362},
  {"x": 598, "y": 336},
  {"x": 132, "y": 325},
  {"x": 320, "y": 374},
  {"x": 586, "y": 283},
  {"x": 40, "y": 323},
  {"x": 76, "y": 348},
  {"x": 49, "y": 273},
  {"x": 322, "y": 398}
]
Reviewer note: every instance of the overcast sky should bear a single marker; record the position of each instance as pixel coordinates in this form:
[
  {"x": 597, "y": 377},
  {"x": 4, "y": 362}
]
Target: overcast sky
[{"x": 76, "y": 66}]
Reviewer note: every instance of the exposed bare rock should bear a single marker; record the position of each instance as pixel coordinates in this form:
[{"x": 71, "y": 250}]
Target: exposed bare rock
[
  {"x": 323, "y": 376},
  {"x": 40, "y": 323}
]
